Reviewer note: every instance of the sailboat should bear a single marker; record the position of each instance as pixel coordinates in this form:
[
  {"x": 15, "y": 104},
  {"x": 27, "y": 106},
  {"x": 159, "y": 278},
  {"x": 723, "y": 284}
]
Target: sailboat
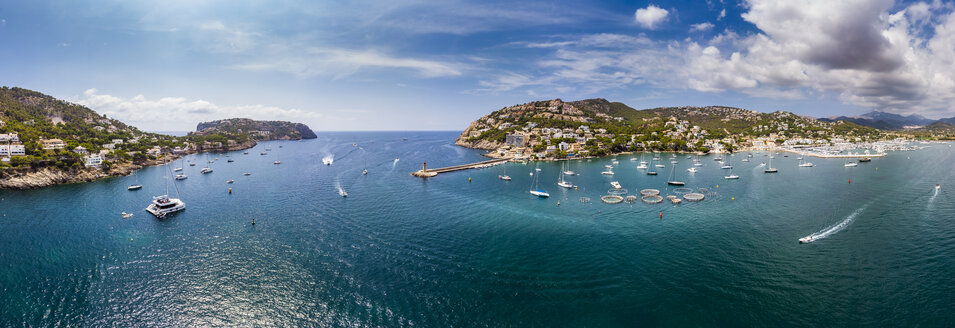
[
  {"x": 163, "y": 205},
  {"x": 803, "y": 163},
  {"x": 729, "y": 165},
  {"x": 672, "y": 182},
  {"x": 181, "y": 166},
  {"x": 537, "y": 191},
  {"x": 770, "y": 168},
  {"x": 651, "y": 171},
  {"x": 561, "y": 182},
  {"x": 731, "y": 176},
  {"x": 504, "y": 175},
  {"x": 136, "y": 186}
]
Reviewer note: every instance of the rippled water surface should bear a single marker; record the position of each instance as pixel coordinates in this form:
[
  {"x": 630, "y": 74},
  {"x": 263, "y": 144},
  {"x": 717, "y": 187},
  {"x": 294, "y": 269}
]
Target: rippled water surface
[{"x": 403, "y": 251}]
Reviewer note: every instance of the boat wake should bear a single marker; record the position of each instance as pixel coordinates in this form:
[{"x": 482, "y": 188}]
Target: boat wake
[
  {"x": 833, "y": 229},
  {"x": 328, "y": 159},
  {"x": 395, "y": 163}
]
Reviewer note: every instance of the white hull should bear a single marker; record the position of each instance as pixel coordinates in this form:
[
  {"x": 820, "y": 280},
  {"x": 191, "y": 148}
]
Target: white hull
[
  {"x": 731, "y": 177},
  {"x": 162, "y": 212},
  {"x": 540, "y": 193}
]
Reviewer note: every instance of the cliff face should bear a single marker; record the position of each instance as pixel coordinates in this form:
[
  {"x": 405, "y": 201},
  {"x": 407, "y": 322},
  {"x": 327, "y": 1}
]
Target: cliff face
[
  {"x": 259, "y": 130},
  {"x": 49, "y": 177}
]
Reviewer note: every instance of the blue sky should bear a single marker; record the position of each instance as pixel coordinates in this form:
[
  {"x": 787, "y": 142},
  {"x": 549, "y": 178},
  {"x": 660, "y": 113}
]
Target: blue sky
[{"x": 437, "y": 65}]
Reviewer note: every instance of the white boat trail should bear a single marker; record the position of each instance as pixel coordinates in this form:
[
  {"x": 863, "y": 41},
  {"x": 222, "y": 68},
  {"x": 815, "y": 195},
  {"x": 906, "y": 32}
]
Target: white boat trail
[
  {"x": 328, "y": 159},
  {"x": 833, "y": 229}
]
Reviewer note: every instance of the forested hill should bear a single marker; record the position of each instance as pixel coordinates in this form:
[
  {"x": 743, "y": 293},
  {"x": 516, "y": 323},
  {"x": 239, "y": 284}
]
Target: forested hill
[{"x": 258, "y": 130}]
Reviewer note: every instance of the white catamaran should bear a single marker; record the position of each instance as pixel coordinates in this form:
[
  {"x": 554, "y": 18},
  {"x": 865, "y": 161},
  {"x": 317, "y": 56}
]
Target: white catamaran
[{"x": 164, "y": 205}]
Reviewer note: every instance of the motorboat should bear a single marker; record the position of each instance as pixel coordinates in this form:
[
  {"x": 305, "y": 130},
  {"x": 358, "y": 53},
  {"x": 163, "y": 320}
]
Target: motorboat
[
  {"x": 607, "y": 172},
  {"x": 181, "y": 176},
  {"x": 230, "y": 181},
  {"x": 806, "y": 164},
  {"x": 731, "y": 177},
  {"x": 245, "y": 153},
  {"x": 277, "y": 162},
  {"x": 363, "y": 172},
  {"x": 865, "y": 159},
  {"x": 608, "y": 166},
  {"x": 205, "y": 170},
  {"x": 697, "y": 164},
  {"x": 615, "y": 184},
  {"x": 692, "y": 170},
  {"x": 851, "y": 164},
  {"x": 726, "y": 167},
  {"x": 246, "y": 173},
  {"x": 660, "y": 165},
  {"x": 127, "y": 215},
  {"x": 651, "y": 172},
  {"x": 163, "y": 206},
  {"x": 192, "y": 164},
  {"x": 342, "y": 192},
  {"x": 230, "y": 160},
  {"x": 263, "y": 153},
  {"x": 674, "y": 162},
  {"x": 806, "y": 239},
  {"x": 938, "y": 186},
  {"x": 746, "y": 160}
]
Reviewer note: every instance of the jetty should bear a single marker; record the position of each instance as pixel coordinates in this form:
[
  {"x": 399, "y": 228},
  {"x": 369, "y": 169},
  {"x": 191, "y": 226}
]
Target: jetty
[{"x": 425, "y": 172}]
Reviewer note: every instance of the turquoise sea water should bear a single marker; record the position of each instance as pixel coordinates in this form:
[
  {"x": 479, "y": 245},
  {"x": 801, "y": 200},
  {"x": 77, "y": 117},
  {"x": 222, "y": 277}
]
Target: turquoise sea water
[{"x": 404, "y": 251}]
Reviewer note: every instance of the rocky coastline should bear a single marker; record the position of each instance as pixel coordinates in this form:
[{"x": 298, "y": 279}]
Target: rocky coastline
[{"x": 46, "y": 177}]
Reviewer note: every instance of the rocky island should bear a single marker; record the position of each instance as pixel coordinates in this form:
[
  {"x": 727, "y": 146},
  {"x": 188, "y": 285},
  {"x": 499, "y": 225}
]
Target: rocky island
[{"x": 46, "y": 141}]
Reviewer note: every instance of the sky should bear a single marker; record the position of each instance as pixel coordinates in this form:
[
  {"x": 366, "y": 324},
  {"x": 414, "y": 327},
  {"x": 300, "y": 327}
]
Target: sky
[{"x": 438, "y": 65}]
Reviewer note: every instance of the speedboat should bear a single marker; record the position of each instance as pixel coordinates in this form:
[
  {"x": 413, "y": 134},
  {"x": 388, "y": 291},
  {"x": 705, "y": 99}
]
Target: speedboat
[
  {"x": 937, "y": 187},
  {"x": 245, "y": 153},
  {"x": 363, "y": 172},
  {"x": 692, "y": 170},
  {"x": 163, "y": 206},
  {"x": 246, "y": 173},
  {"x": 807, "y": 164},
  {"x": 806, "y": 239},
  {"x": 504, "y": 177},
  {"x": 327, "y": 160},
  {"x": 342, "y": 193},
  {"x": 851, "y": 164},
  {"x": 540, "y": 193},
  {"x": 731, "y": 177},
  {"x": 135, "y": 187},
  {"x": 230, "y": 181},
  {"x": 615, "y": 184},
  {"x": 127, "y": 215},
  {"x": 277, "y": 162},
  {"x": 181, "y": 176}
]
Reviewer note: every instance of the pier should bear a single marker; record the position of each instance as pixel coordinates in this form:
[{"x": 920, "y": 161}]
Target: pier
[{"x": 425, "y": 172}]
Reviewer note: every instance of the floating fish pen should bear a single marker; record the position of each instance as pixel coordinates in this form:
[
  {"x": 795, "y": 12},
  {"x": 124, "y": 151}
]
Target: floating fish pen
[
  {"x": 616, "y": 191},
  {"x": 676, "y": 200},
  {"x": 703, "y": 190},
  {"x": 652, "y": 199},
  {"x": 585, "y": 199},
  {"x": 612, "y": 199},
  {"x": 631, "y": 199},
  {"x": 693, "y": 197},
  {"x": 671, "y": 197},
  {"x": 682, "y": 191},
  {"x": 649, "y": 192}
]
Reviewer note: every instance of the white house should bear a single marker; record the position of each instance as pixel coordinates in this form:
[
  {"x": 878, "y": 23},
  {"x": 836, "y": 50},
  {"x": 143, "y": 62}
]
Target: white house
[
  {"x": 79, "y": 150},
  {"x": 12, "y": 150},
  {"x": 93, "y": 160},
  {"x": 12, "y": 137}
]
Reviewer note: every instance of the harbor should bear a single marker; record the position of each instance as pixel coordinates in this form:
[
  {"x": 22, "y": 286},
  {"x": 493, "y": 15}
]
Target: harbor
[{"x": 425, "y": 172}]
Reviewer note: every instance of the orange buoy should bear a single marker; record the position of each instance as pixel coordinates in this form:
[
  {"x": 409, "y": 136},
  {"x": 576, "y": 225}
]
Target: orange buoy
[{"x": 661, "y": 215}]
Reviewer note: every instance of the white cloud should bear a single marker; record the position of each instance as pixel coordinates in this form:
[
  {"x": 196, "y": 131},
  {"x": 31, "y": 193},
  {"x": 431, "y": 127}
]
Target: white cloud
[
  {"x": 340, "y": 63},
  {"x": 701, "y": 27},
  {"x": 181, "y": 114},
  {"x": 722, "y": 15},
  {"x": 650, "y": 16},
  {"x": 901, "y": 62}
]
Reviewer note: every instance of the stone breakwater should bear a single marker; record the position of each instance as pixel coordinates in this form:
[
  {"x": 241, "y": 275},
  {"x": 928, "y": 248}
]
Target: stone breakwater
[{"x": 52, "y": 176}]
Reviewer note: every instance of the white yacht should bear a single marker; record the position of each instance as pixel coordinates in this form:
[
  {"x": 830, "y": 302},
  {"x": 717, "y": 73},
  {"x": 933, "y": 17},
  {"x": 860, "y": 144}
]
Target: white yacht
[
  {"x": 615, "y": 184},
  {"x": 692, "y": 170},
  {"x": 731, "y": 177},
  {"x": 181, "y": 176},
  {"x": 569, "y": 172},
  {"x": 163, "y": 206},
  {"x": 135, "y": 187},
  {"x": 806, "y": 239},
  {"x": 504, "y": 177},
  {"x": 561, "y": 182},
  {"x": 642, "y": 166}
]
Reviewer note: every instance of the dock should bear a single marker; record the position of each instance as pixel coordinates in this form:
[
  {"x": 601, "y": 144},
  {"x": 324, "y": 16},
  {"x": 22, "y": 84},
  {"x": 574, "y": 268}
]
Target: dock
[{"x": 425, "y": 172}]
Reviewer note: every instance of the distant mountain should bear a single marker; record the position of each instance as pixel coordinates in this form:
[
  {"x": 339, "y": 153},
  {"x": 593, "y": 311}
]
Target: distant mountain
[
  {"x": 950, "y": 120},
  {"x": 883, "y": 120},
  {"x": 259, "y": 130}
]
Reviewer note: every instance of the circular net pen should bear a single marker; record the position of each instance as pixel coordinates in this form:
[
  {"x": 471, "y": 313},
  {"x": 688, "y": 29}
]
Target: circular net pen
[
  {"x": 615, "y": 191},
  {"x": 649, "y": 192},
  {"x": 682, "y": 191},
  {"x": 703, "y": 190},
  {"x": 693, "y": 197},
  {"x": 631, "y": 199},
  {"x": 671, "y": 197},
  {"x": 652, "y": 199},
  {"x": 676, "y": 200},
  {"x": 611, "y": 199}
]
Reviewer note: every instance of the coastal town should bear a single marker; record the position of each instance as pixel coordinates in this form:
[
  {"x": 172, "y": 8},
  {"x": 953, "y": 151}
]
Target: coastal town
[{"x": 554, "y": 129}]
